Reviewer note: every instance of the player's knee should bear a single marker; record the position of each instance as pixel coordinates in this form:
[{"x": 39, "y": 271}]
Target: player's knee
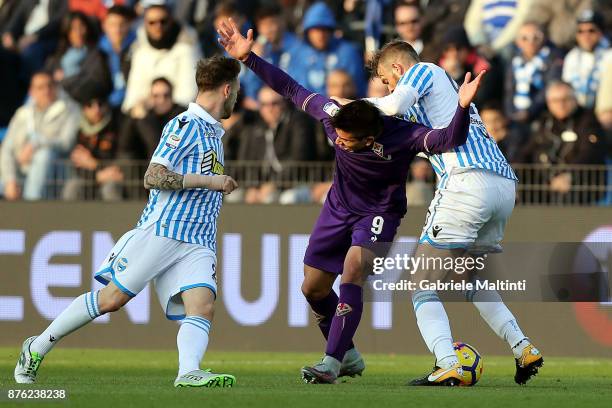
[
  {"x": 111, "y": 301},
  {"x": 205, "y": 310},
  {"x": 313, "y": 292},
  {"x": 352, "y": 273}
]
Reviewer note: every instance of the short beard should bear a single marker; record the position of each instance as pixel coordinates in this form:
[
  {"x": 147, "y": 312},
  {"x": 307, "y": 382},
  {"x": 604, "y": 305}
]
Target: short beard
[{"x": 228, "y": 109}]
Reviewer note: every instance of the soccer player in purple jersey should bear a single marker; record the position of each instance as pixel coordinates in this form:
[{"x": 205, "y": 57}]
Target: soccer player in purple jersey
[{"x": 365, "y": 204}]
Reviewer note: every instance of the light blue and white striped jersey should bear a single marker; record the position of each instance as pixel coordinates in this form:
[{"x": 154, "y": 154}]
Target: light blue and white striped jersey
[
  {"x": 190, "y": 143},
  {"x": 436, "y": 96},
  {"x": 496, "y": 14}
]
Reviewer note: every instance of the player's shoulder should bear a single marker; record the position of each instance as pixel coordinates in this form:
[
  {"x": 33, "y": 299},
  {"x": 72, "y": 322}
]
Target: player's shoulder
[{"x": 419, "y": 73}]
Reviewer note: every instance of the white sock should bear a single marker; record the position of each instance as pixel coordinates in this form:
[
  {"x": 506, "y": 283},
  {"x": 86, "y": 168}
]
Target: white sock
[
  {"x": 81, "y": 311},
  {"x": 499, "y": 318},
  {"x": 434, "y": 327},
  {"x": 192, "y": 341}
]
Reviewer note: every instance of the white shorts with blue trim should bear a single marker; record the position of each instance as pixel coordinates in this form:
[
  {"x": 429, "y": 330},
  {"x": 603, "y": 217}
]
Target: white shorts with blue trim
[
  {"x": 140, "y": 257},
  {"x": 471, "y": 211}
]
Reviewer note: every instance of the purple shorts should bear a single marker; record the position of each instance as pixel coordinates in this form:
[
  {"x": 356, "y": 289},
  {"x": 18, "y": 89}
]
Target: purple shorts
[{"x": 336, "y": 230}]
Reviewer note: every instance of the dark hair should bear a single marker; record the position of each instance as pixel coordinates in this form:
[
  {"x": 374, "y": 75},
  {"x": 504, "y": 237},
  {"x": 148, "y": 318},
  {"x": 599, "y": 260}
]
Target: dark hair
[
  {"x": 226, "y": 9},
  {"x": 44, "y": 72},
  {"x": 390, "y": 49},
  {"x": 213, "y": 72},
  {"x": 163, "y": 80},
  {"x": 91, "y": 36},
  {"x": 360, "y": 118},
  {"x": 408, "y": 4},
  {"x": 271, "y": 10},
  {"x": 122, "y": 11},
  {"x": 492, "y": 105}
]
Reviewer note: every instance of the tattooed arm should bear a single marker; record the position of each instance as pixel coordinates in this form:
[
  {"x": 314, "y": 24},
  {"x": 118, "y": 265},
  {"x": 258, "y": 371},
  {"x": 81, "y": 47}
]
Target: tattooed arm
[{"x": 158, "y": 177}]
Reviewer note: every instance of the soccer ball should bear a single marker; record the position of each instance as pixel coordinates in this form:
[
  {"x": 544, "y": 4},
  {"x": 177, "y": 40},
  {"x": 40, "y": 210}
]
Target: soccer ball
[{"x": 470, "y": 361}]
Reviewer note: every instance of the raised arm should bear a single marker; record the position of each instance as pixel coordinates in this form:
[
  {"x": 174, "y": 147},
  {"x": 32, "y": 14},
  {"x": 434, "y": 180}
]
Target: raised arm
[
  {"x": 442, "y": 140},
  {"x": 239, "y": 47}
]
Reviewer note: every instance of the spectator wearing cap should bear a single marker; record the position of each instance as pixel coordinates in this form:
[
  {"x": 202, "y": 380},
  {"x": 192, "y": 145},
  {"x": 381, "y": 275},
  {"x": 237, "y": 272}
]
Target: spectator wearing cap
[
  {"x": 493, "y": 24},
  {"x": 78, "y": 61},
  {"x": 559, "y": 18},
  {"x": 163, "y": 48},
  {"x": 536, "y": 62},
  {"x": 408, "y": 24},
  {"x": 311, "y": 60},
  {"x": 40, "y": 131},
  {"x": 115, "y": 44},
  {"x": 568, "y": 134},
  {"x": 459, "y": 57},
  {"x": 584, "y": 63},
  {"x": 139, "y": 137},
  {"x": 272, "y": 42},
  {"x": 33, "y": 30},
  {"x": 96, "y": 143}
]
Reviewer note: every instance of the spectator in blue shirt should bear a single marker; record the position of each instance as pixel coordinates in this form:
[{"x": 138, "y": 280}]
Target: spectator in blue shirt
[
  {"x": 273, "y": 41},
  {"x": 116, "y": 42},
  {"x": 311, "y": 60}
]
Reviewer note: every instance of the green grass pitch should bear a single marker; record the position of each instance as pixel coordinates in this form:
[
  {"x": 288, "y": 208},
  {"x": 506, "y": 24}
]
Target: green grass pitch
[{"x": 125, "y": 378}]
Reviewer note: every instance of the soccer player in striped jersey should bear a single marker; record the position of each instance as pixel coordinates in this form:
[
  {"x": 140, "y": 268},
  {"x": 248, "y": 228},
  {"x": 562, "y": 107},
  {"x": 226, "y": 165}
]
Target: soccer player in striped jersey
[
  {"x": 174, "y": 243},
  {"x": 365, "y": 203},
  {"x": 474, "y": 198}
]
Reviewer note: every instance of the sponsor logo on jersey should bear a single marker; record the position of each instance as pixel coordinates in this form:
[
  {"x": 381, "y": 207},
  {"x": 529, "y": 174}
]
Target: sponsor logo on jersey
[
  {"x": 122, "y": 264},
  {"x": 182, "y": 122},
  {"x": 378, "y": 150},
  {"x": 211, "y": 164},
  {"x": 331, "y": 108},
  {"x": 436, "y": 230},
  {"x": 343, "y": 309},
  {"x": 173, "y": 141}
]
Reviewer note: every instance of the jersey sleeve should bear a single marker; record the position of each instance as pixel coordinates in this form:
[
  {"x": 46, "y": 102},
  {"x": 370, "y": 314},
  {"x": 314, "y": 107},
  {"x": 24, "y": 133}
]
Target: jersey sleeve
[
  {"x": 412, "y": 86},
  {"x": 434, "y": 141},
  {"x": 176, "y": 142}
]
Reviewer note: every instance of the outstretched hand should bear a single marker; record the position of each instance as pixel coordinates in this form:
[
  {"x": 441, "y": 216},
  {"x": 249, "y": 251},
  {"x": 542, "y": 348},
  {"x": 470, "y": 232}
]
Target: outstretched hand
[
  {"x": 468, "y": 89},
  {"x": 235, "y": 44}
]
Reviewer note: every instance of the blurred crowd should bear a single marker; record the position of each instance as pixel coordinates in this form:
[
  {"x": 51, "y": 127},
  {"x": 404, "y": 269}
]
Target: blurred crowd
[{"x": 93, "y": 82}]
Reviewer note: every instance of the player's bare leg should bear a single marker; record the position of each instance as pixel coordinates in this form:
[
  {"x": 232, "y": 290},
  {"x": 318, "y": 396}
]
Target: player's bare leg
[
  {"x": 81, "y": 311},
  {"x": 192, "y": 341},
  {"x": 344, "y": 322}
]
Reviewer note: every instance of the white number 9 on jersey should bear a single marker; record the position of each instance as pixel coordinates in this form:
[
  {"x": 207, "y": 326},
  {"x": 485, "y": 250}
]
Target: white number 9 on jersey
[{"x": 377, "y": 224}]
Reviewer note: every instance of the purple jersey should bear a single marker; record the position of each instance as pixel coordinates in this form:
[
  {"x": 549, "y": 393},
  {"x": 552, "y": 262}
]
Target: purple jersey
[{"x": 370, "y": 181}]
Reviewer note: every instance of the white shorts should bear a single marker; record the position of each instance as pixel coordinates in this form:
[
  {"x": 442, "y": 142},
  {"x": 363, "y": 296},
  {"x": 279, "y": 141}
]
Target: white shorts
[
  {"x": 470, "y": 212},
  {"x": 174, "y": 266}
]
